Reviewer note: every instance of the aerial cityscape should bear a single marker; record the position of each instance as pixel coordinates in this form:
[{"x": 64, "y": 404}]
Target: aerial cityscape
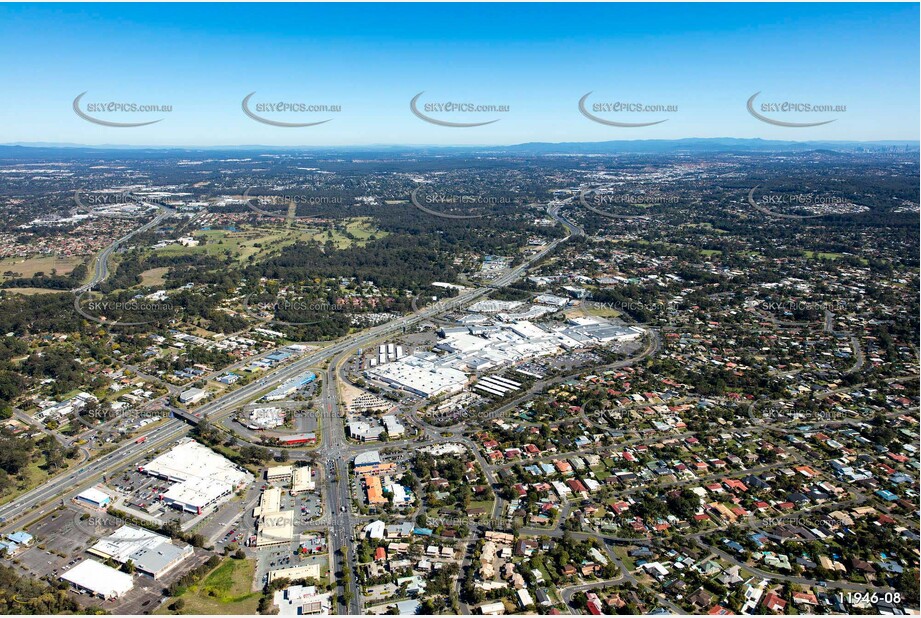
[{"x": 461, "y": 326}]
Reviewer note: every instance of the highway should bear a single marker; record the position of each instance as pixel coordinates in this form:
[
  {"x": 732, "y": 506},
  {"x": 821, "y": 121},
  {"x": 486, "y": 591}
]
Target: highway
[
  {"x": 35, "y": 503},
  {"x": 101, "y": 268}
]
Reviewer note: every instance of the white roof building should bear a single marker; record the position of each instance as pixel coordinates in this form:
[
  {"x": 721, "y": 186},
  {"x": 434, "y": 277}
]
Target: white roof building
[
  {"x": 202, "y": 477},
  {"x": 304, "y": 571},
  {"x": 302, "y": 601},
  {"x": 94, "y": 497},
  {"x": 420, "y": 376},
  {"x": 302, "y": 480},
  {"x": 192, "y": 395},
  {"x": 150, "y": 552},
  {"x": 99, "y": 580},
  {"x": 375, "y": 530}
]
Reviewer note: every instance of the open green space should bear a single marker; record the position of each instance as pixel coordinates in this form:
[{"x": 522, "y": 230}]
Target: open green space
[{"x": 225, "y": 590}]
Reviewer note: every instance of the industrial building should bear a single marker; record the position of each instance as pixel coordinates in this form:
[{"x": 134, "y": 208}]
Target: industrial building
[
  {"x": 94, "y": 498},
  {"x": 291, "y": 386},
  {"x": 99, "y": 580},
  {"x": 496, "y": 386},
  {"x": 418, "y": 374},
  {"x": 201, "y": 478},
  {"x": 269, "y": 502},
  {"x": 192, "y": 395},
  {"x": 150, "y": 553}
]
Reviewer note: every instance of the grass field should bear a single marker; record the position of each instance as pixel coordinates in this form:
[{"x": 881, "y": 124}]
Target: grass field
[
  {"x": 154, "y": 276},
  {"x": 33, "y": 291},
  {"x": 32, "y": 476},
  {"x": 28, "y": 267},
  {"x": 261, "y": 240},
  {"x": 225, "y": 590},
  {"x": 824, "y": 255},
  {"x": 595, "y": 310}
]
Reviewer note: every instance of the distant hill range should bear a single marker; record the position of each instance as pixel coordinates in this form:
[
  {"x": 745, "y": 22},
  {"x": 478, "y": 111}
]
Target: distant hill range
[
  {"x": 716, "y": 144},
  {"x": 26, "y": 150}
]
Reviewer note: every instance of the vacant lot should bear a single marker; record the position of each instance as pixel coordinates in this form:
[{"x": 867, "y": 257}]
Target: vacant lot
[
  {"x": 29, "y": 267},
  {"x": 34, "y": 291},
  {"x": 225, "y": 590},
  {"x": 154, "y": 276}
]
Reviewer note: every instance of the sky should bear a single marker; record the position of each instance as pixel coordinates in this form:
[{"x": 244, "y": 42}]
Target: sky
[{"x": 701, "y": 61}]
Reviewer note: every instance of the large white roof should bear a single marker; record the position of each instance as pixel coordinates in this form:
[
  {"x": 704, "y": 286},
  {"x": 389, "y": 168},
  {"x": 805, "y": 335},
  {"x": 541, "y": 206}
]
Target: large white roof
[
  {"x": 189, "y": 460},
  {"x": 99, "y": 578},
  {"x": 420, "y": 375},
  {"x": 94, "y": 495},
  {"x": 367, "y": 458},
  {"x": 202, "y": 474},
  {"x": 125, "y": 541}
]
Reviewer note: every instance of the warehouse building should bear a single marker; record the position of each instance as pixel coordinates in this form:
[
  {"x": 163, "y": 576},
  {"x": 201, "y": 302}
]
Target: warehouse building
[
  {"x": 193, "y": 395},
  {"x": 99, "y": 580},
  {"x": 94, "y": 498},
  {"x": 273, "y": 526},
  {"x": 291, "y": 386},
  {"x": 420, "y": 375},
  {"x": 151, "y": 554},
  {"x": 202, "y": 478}
]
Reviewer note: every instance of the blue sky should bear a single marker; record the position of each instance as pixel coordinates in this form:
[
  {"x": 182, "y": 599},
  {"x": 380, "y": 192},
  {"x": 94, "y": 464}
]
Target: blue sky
[{"x": 538, "y": 59}]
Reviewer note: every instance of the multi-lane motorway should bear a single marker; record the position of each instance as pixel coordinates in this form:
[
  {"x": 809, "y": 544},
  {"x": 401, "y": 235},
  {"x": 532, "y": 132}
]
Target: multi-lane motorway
[{"x": 35, "y": 503}]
